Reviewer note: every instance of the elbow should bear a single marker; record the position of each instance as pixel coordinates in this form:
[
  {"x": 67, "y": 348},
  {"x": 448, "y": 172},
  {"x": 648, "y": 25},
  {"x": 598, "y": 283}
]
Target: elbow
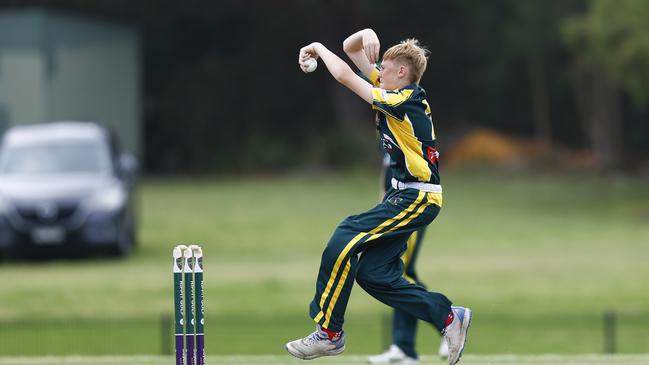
[
  {"x": 341, "y": 75},
  {"x": 347, "y": 47},
  {"x": 344, "y": 76}
]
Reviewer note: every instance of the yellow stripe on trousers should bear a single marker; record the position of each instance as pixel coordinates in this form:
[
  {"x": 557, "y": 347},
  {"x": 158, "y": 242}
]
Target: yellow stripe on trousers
[
  {"x": 334, "y": 298},
  {"x": 341, "y": 256},
  {"x": 339, "y": 287},
  {"x": 407, "y": 257},
  {"x": 402, "y": 223}
]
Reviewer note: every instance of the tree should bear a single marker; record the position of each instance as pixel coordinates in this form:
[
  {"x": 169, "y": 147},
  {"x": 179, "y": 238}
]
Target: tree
[
  {"x": 531, "y": 32},
  {"x": 610, "y": 41}
]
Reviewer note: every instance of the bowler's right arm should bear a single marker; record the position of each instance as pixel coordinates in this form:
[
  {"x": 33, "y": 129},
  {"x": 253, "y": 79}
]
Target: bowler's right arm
[{"x": 363, "y": 49}]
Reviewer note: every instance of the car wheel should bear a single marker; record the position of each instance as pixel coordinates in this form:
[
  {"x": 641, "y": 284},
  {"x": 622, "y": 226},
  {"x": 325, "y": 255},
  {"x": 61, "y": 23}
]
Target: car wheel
[{"x": 125, "y": 243}]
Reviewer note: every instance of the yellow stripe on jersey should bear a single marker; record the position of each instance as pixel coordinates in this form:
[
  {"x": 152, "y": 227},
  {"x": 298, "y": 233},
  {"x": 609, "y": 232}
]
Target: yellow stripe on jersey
[
  {"x": 404, "y": 132},
  {"x": 429, "y": 115},
  {"x": 389, "y": 97}
]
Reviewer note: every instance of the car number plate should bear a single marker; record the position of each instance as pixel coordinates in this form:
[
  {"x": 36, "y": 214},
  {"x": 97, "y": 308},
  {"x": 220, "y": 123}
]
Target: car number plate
[{"x": 48, "y": 235}]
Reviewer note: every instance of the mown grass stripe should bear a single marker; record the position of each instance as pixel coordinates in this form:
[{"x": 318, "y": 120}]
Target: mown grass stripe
[{"x": 588, "y": 359}]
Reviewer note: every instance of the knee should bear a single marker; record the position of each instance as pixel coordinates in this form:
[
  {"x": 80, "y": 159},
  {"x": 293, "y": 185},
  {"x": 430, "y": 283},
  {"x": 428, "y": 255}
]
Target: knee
[
  {"x": 338, "y": 243},
  {"x": 366, "y": 277},
  {"x": 371, "y": 277},
  {"x": 332, "y": 251},
  {"x": 329, "y": 256}
]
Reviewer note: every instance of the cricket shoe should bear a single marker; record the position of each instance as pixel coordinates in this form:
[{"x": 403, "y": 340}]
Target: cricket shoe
[
  {"x": 316, "y": 345},
  {"x": 393, "y": 355},
  {"x": 456, "y": 333}
]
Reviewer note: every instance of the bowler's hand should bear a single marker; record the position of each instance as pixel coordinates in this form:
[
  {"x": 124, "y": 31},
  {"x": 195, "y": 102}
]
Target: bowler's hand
[
  {"x": 371, "y": 45},
  {"x": 307, "y": 52}
]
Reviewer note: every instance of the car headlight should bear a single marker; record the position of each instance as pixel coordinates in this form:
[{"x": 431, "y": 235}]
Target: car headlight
[{"x": 107, "y": 199}]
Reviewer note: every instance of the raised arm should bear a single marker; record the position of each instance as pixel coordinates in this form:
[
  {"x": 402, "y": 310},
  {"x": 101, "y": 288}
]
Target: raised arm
[
  {"x": 338, "y": 68},
  {"x": 363, "y": 48}
]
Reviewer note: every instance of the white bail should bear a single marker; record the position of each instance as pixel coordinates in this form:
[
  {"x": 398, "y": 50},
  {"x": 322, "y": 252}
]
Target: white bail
[
  {"x": 188, "y": 255},
  {"x": 178, "y": 253},
  {"x": 198, "y": 256}
]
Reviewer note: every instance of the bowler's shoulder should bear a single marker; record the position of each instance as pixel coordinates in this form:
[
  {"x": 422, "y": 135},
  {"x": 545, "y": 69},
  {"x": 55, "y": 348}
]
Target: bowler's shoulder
[
  {"x": 392, "y": 97},
  {"x": 418, "y": 95},
  {"x": 418, "y": 92}
]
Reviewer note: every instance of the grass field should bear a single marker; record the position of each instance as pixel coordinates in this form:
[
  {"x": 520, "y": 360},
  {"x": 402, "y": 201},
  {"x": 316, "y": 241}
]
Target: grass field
[
  {"x": 340, "y": 360},
  {"x": 539, "y": 258}
]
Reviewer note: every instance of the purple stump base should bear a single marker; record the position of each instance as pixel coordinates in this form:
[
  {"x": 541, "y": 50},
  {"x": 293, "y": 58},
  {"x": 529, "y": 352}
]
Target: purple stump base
[
  {"x": 200, "y": 349},
  {"x": 180, "y": 349},
  {"x": 191, "y": 355}
]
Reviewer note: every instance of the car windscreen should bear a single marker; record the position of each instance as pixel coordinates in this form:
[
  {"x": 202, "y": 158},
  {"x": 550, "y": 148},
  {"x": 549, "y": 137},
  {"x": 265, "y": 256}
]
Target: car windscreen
[{"x": 60, "y": 157}]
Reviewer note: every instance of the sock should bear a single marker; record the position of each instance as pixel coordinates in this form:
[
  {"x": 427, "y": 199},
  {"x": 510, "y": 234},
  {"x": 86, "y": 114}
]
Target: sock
[
  {"x": 449, "y": 318},
  {"x": 331, "y": 334}
]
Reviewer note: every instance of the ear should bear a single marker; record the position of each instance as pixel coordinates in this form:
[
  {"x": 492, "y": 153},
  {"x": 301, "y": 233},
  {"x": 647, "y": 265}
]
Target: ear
[{"x": 402, "y": 72}]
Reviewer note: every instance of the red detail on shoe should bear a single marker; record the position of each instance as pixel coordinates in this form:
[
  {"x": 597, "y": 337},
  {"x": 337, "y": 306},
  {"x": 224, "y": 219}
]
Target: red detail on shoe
[
  {"x": 331, "y": 334},
  {"x": 449, "y": 318}
]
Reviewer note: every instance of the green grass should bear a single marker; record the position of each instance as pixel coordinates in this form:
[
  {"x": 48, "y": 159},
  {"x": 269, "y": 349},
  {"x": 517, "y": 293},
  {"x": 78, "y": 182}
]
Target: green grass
[
  {"x": 340, "y": 360},
  {"x": 538, "y": 257}
]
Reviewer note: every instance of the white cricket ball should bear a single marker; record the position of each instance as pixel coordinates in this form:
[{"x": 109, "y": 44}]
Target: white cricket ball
[{"x": 311, "y": 64}]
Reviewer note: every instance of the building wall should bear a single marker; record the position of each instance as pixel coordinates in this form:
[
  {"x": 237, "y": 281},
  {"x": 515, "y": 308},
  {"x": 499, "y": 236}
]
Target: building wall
[
  {"x": 56, "y": 66},
  {"x": 22, "y": 96}
]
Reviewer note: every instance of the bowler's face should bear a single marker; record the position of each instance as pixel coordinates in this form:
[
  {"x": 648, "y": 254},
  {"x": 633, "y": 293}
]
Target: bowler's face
[{"x": 389, "y": 75}]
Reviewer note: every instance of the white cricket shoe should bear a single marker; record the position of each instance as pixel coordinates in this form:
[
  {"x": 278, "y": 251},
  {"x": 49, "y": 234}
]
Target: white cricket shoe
[
  {"x": 393, "y": 355},
  {"x": 443, "y": 349},
  {"x": 456, "y": 333},
  {"x": 316, "y": 345}
]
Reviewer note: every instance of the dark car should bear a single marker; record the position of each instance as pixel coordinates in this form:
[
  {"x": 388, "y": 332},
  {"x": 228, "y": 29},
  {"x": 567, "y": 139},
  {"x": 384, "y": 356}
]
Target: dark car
[{"x": 65, "y": 187}]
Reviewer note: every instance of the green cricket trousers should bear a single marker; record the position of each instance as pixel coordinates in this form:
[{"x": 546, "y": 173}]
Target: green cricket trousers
[
  {"x": 404, "y": 326},
  {"x": 367, "y": 247}
]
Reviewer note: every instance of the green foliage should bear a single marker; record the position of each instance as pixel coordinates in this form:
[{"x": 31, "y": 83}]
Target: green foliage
[
  {"x": 222, "y": 91},
  {"x": 613, "y": 35},
  {"x": 534, "y": 26}
]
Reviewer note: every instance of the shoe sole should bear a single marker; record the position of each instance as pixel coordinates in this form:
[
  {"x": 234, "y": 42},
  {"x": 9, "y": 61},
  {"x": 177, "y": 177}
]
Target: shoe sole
[
  {"x": 299, "y": 355},
  {"x": 466, "y": 323}
]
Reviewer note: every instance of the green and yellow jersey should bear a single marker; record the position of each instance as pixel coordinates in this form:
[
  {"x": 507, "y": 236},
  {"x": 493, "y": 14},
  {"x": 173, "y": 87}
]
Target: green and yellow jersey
[{"x": 406, "y": 131}]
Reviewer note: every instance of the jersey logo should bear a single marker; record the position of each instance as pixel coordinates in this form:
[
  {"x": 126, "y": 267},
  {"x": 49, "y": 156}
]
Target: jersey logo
[
  {"x": 387, "y": 143},
  {"x": 432, "y": 154}
]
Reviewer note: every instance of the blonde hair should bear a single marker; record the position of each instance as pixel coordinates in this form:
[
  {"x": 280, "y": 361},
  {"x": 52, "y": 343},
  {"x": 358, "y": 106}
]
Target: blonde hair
[{"x": 411, "y": 53}]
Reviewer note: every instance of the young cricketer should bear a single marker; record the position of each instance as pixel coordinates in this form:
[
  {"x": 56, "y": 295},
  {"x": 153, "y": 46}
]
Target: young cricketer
[{"x": 367, "y": 247}]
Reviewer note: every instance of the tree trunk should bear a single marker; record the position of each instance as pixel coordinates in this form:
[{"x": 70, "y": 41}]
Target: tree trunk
[
  {"x": 599, "y": 106},
  {"x": 540, "y": 100}
]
